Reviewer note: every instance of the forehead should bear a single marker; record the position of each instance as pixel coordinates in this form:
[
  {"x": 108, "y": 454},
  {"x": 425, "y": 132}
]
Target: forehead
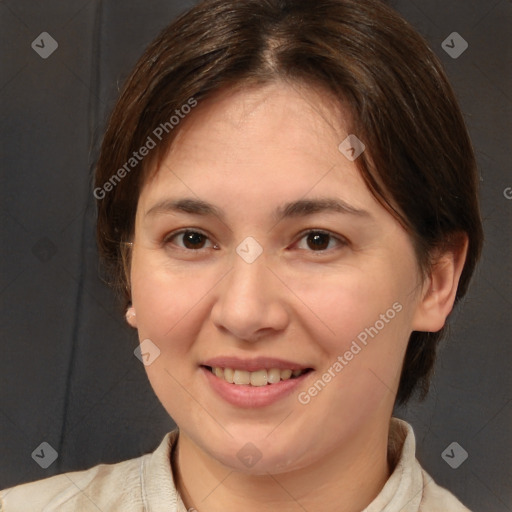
[
  {"x": 277, "y": 141},
  {"x": 243, "y": 118}
]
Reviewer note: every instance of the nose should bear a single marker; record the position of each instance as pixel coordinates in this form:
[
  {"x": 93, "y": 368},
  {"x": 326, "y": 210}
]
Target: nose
[{"x": 251, "y": 302}]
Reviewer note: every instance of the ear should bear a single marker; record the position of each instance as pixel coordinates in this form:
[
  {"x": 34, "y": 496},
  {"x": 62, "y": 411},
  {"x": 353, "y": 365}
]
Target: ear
[
  {"x": 440, "y": 287},
  {"x": 131, "y": 318}
]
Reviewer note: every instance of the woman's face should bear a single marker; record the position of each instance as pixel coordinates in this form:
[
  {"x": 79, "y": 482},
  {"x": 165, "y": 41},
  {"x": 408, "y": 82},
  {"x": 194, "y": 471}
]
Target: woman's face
[{"x": 258, "y": 247}]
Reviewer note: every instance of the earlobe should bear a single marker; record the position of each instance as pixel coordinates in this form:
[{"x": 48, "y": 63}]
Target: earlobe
[
  {"x": 440, "y": 288},
  {"x": 131, "y": 318}
]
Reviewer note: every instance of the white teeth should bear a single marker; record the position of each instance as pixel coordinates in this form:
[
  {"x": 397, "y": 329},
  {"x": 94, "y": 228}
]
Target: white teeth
[
  {"x": 229, "y": 374},
  {"x": 286, "y": 374},
  {"x": 241, "y": 377},
  {"x": 273, "y": 375},
  {"x": 257, "y": 378}
]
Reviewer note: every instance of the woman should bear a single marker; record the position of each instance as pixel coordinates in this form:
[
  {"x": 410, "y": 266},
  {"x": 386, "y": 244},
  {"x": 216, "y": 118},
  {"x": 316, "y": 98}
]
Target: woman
[{"x": 290, "y": 231}]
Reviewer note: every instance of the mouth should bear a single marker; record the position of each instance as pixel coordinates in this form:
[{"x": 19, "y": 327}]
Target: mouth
[{"x": 257, "y": 378}]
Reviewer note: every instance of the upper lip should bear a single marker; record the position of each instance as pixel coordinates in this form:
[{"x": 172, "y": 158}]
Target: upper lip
[{"x": 253, "y": 364}]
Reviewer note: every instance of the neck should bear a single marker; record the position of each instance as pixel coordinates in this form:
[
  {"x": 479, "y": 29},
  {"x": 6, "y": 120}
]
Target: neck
[{"x": 347, "y": 480}]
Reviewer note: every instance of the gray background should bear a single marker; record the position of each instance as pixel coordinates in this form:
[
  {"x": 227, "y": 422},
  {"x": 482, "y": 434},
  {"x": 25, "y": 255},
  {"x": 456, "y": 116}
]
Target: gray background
[{"x": 67, "y": 371}]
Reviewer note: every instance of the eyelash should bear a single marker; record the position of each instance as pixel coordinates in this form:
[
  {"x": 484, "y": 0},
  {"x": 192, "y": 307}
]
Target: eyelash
[{"x": 342, "y": 242}]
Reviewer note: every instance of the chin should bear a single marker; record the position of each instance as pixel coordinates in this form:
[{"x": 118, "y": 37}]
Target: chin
[{"x": 258, "y": 458}]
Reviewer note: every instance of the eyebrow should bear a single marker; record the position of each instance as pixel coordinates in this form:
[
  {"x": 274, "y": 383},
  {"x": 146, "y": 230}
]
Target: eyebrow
[{"x": 299, "y": 208}]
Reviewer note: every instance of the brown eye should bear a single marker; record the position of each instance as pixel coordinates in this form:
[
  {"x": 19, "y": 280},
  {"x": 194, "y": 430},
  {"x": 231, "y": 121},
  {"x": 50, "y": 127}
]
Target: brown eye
[
  {"x": 189, "y": 239},
  {"x": 320, "y": 241},
  {"x": 193, "y": 240}
]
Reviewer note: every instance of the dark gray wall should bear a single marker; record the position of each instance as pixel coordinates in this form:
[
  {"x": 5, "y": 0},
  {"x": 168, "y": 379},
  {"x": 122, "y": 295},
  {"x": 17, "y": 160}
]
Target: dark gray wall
[{"x": 67, "y": 371}]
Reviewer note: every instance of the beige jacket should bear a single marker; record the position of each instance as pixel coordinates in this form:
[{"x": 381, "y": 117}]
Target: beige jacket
[{"x": 145, "y": 484}]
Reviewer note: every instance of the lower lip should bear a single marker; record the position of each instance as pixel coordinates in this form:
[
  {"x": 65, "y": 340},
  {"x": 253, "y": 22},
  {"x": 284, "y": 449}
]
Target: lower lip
[{"x": 252, "y": 396}]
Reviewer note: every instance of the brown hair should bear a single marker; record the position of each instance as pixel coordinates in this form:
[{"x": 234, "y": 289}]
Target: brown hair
[{"x": 419, "y": 161}]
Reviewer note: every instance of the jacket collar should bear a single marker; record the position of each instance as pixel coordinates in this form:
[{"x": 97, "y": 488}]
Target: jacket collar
[{"x": 403, "y": 491}]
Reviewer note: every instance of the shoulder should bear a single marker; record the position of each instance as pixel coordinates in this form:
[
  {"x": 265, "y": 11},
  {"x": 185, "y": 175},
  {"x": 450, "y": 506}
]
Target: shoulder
[
  {"x": 79, "y": 490},
  {"x": 106, "y": 487},
  {"x": 437, "y": 498},
  {"x": 410, "y": 488}
]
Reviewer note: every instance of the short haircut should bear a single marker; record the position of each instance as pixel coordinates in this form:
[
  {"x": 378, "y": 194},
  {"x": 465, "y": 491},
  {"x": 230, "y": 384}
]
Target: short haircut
[{"x": 419, "y": 162}]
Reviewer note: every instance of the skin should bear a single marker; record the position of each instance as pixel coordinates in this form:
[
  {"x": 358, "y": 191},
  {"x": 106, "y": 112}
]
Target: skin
[{"x": 248, "y": 152}]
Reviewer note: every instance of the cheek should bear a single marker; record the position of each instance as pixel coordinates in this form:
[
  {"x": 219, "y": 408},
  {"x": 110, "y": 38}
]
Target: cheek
[
  {"x": 170, "y": 306},
  {"x": 339, "y": 306},
  {"x": 361, "y": 320},
  {"x": 166, "y": 302}
]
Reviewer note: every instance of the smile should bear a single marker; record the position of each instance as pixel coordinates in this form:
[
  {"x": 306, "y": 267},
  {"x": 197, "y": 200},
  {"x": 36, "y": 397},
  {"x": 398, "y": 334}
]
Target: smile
[{"x": 256, "y": 378}]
